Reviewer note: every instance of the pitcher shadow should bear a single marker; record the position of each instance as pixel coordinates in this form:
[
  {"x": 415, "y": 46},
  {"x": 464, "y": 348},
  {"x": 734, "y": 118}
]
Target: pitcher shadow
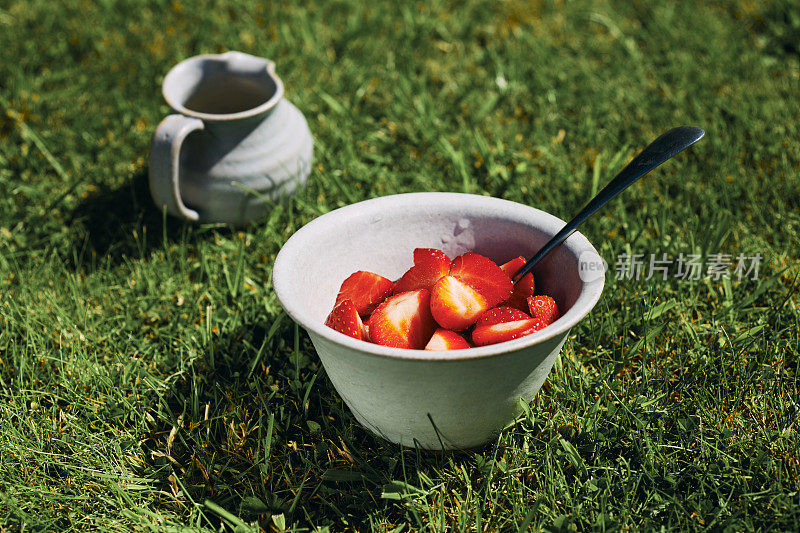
[{"x": 123, "y": 222}]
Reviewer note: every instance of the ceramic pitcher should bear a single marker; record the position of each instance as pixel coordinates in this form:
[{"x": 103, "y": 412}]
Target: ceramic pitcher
[{"x": 234, "y": 145}]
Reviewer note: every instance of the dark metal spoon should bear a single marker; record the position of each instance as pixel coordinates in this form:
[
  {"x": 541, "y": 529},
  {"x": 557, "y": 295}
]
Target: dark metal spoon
[{"x": 666, "y": 146}]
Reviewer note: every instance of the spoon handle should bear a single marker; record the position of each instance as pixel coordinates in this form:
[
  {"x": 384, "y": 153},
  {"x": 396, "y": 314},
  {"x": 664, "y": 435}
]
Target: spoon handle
[{"x": 666, "y": 146}]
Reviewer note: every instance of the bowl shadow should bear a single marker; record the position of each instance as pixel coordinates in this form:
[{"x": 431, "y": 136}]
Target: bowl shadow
[{"x": 322, "y": 465}]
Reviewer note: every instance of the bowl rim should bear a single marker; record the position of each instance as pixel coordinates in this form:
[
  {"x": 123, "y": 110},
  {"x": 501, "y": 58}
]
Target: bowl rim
[{"x": 588, "y": 296}]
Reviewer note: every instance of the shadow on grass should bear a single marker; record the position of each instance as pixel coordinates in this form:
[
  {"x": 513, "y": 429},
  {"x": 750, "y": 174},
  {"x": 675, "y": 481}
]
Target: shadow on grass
[
  {"x": 256, "y": 427},
  {"x": 123, "y": 222}
]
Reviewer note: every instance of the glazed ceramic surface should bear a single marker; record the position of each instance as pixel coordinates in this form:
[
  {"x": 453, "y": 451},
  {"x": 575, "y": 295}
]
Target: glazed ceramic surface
[
  {"x": 234, "y": 145},
  {"x": 455, "y": 399}
]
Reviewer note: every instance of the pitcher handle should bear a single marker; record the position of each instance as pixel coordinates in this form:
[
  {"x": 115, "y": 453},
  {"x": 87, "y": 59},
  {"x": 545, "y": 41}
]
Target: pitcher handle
[{"x": 165, "y": 152}]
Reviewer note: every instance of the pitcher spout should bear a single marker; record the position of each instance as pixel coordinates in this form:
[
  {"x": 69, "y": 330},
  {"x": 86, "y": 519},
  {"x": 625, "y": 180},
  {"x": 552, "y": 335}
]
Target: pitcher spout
[{"x": 223, "y": 87}]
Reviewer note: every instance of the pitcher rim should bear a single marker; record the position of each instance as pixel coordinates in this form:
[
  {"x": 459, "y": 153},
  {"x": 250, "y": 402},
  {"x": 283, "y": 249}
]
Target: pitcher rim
[{"x": 221, "y": 117}]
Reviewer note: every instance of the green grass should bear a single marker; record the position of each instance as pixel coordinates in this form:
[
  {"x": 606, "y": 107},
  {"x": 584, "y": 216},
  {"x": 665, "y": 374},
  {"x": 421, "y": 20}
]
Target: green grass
[{"x": 150, "y": 381}]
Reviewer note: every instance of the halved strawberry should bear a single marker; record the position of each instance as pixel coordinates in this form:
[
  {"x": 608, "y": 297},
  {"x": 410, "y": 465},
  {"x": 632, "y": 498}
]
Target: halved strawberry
[
  {"x": 523, "y": 288},
  {"x": 403, "y": 321},
  {"x": 366, "y": 290},
  {"x": 455, "y": 305},
  {"x": 483, "y": 275},
  {"x": 344, "y": 319},
  {"x": 505, "y": 331},
  {"x": 430, "y": 265},
  {"x": 444, "y": 339},
  {"x": 498, "y": 315},
  {"x": 544, "y": 308}
]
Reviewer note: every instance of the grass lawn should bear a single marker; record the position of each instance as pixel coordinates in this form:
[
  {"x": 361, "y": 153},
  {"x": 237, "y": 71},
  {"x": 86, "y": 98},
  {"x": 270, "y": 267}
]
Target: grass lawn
[{"x": 150, "y": 381}]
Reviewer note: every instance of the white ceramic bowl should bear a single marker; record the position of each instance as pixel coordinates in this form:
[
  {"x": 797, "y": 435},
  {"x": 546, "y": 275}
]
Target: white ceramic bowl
[{"x": 456, "y": 399}]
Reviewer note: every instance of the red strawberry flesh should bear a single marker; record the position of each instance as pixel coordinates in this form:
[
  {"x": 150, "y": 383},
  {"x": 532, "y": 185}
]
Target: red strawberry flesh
[
  {"x": 344, "y": 319},
  {"x": 483, "y": 275},
  {"x": 366, "y": 290},
  {"x": 455, "y": 305},
  {"x": 403, "y": 321},
  {"x": 498, "y": 315},
  {"x": 544, "y": 308},
  {"x": 523, "y": 288},
  {"x": 444, "y": 339},
  {"x": 505, "y": 331},
  {"x": 430, "y": 265}
]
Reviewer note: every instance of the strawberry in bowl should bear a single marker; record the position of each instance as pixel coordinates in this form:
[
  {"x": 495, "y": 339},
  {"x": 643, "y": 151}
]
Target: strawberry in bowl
[{"x": 469, "y": 297}]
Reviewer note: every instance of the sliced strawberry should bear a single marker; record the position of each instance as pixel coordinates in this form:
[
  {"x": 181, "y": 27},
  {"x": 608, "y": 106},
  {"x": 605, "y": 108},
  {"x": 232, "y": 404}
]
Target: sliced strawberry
[
  {"x": 513, "y": 266},
  {"x": 344, "y": 319},
  {"x": 523, "y": 288},
  {"x": 430, "y": 265},
  {"x": 544, "y": 308},
  {"x": 366, "y": 290},
  {"x": 455, "y": 305},
  {"x": 498, "y": 315},
  {"x": 444, "y": 339},
  {"x": 505, "y": 331},
  {"x": 483, "y": 275},
  {"x": 403, "y": 321}
]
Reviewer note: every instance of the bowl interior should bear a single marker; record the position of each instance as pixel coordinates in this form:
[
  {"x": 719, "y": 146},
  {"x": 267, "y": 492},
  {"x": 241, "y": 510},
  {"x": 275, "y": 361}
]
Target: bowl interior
[{"x": 380, "y": 235}]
